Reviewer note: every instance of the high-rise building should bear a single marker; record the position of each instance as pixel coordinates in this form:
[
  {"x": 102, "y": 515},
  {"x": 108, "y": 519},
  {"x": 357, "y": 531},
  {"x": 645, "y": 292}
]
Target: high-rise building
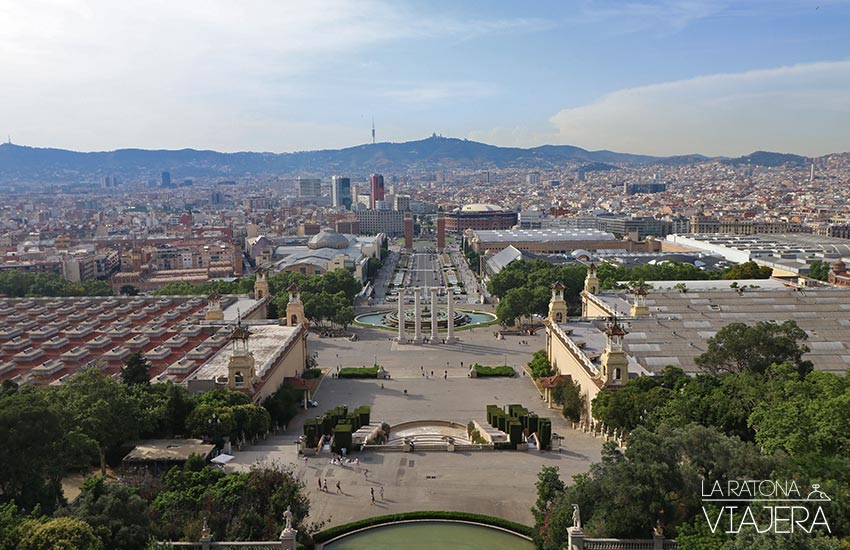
[
  {"x": 166, "y": 179},
  {"x": 309, "y": 188},
  {"x": 402, "y": 202},
  {"x": 341, "y": 191},
  {"x": 377, "y": 181},
  {"x": 533, "y": 178}
]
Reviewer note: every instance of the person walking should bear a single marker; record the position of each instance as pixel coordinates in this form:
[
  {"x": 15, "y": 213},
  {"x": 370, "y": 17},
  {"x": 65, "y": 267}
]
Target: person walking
[
  {"x": 382, "y": 492},
  {"x": 372, "y": 495},
  {"x": 320, "y": 483},
  {"x": 325, "y": 486},
  {"x": 338, "y": 488}
]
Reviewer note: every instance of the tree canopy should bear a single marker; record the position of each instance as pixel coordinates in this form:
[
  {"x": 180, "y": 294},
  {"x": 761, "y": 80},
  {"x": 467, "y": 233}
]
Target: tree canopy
[
  {"x": 738, "y": 347},
  {"x": 21, "y": 284}
]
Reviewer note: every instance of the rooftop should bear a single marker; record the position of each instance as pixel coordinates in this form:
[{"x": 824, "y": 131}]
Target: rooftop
[
  {"x": 680, "y": 323},
  {"x": 266, "y": 342},
  {"x": 543, "y": 235}
]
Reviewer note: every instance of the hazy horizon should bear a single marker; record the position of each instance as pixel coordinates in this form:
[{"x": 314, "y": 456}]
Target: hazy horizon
[{"x": 664, "y": 78}]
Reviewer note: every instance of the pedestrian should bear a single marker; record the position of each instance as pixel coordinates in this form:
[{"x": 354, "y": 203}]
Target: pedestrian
[
  {"x": 365, "y": 473},
  {"x": 382, "y": 492},
  {"x": 372, "y": 495},
  {"x": 325, "y": 486},
  {"x": 338, "y": 488},
  {"x": 320, "y": 483},
  {"x": 432, "y": 373},
  {"x": 382, "y": 385},
  {"x": 446, "y": 375}
]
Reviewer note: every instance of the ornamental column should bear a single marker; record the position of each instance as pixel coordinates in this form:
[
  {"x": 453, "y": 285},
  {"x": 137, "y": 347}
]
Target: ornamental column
[
  {"x": 401, "y": 338},
  {"x": 417, "y": 317},
  {"x": 434, "y": 336},
  {"x": 450, "y": 310}
]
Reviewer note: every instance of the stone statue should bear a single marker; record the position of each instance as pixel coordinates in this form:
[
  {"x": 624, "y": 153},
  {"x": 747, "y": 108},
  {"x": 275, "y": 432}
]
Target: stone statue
[
  {"x": 287, "y": 515},
  {"x": 576, "y": 517},
  {"x": 658, "y": 530}
]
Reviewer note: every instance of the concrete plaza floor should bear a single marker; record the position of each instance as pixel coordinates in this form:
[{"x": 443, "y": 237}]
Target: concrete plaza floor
[{"x": 497, "y": 483}]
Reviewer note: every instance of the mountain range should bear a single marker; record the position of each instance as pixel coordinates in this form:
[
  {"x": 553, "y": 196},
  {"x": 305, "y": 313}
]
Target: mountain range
[{"x": 30, "y": 164}]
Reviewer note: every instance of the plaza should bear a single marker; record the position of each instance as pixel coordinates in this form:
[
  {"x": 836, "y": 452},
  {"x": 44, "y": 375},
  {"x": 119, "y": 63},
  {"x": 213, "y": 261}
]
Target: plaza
[{"x": 496, "y": 483}]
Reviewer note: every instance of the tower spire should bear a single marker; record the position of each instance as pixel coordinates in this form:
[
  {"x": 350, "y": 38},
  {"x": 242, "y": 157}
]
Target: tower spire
[{"x": 373, "y": 130}]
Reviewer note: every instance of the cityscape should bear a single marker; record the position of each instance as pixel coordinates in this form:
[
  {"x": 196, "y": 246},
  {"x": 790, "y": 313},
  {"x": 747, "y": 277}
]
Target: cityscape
[{"x": 596, "y": 313}]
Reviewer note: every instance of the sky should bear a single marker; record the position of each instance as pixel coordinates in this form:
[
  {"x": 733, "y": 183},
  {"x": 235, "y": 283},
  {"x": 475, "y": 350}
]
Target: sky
[{"x": 714, "y": 77}]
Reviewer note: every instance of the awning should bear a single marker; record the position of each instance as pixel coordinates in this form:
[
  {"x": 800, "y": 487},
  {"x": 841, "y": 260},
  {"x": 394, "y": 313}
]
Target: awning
[{"x": 222, "y": 459}]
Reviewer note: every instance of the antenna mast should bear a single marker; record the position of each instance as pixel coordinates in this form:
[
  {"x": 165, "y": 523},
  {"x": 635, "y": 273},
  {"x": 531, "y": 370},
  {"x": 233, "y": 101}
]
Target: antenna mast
[{"x": 373, "y": 130}]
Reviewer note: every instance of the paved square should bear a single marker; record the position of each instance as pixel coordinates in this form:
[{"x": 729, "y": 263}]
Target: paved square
[{"x": 497, "y": 483}]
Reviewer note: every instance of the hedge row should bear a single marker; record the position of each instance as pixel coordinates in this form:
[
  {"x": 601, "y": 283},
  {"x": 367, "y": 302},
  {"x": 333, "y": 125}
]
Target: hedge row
[
  {"x": 333, "y": 532},
  {"x": 493, "y": 371},
  {"x": 359, "y": 372}
]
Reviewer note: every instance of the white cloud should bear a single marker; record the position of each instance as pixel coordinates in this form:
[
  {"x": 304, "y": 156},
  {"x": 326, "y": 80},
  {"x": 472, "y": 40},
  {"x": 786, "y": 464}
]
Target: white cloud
[
  {"x": 105, "y": 74},
  {"x": 802, "y": 108}
]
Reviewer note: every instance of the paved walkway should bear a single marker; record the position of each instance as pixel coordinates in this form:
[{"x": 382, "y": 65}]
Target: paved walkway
[{"x": 499, "y": 483}]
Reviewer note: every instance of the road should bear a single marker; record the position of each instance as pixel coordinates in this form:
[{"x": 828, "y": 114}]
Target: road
[{"x": 425, "y": 272}]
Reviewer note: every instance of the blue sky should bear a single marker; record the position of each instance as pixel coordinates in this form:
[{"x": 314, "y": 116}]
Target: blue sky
[{"x": 706, "y": 76}]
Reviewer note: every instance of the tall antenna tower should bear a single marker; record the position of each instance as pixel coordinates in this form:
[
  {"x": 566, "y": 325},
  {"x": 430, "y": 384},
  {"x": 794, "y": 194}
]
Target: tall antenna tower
[{"x": 373, "y": 130}]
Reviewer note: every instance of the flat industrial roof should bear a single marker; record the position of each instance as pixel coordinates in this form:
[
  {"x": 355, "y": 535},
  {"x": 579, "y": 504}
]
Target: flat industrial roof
[
  {"x": 680, "y": 323},
  {"x": 554, "y": 234}
]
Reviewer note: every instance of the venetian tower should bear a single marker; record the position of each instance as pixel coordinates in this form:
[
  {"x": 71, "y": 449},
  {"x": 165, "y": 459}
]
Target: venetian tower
[
  {"x": 639, "y": 307},
  {"x": 240, "y": 369},
  {"x": 295, "y": 307},
  {"x": 557, "y": 304},
  {"x": 614, "y": 370},
  {"x": 214, "y": 311}
]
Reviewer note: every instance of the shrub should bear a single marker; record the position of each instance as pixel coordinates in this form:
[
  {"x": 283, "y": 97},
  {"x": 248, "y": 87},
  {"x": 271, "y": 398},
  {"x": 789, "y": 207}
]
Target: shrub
[
  {"x": 504, "y": 446},
  {"x": 342, "y": 437},
  {"x": 359, "y": 372},
  {"x": 493, "y": 371},
  {"x": 312, "y": 373}
]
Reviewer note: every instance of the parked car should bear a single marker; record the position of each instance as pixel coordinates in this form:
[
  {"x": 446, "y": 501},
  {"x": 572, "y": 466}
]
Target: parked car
[{"x": 312, "y": 403}]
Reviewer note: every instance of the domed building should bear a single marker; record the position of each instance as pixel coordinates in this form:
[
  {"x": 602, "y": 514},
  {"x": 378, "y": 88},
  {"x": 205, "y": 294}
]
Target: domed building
[
  {"x": 328, "y": 238},
  {"x": 328, "y": 250}
]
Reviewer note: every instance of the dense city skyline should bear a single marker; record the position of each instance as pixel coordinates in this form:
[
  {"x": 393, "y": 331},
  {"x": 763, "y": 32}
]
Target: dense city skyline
[{"x": 660, "y": 78}]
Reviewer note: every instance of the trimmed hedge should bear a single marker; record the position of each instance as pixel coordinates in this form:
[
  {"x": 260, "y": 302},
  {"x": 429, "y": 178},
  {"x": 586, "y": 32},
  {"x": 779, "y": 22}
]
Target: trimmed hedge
[
  {"x": 312, "y": 373},
  {"x": 493, "y": 371},
  {"x": 359, "y": 372},
  {"x": 333, "y": 532}
]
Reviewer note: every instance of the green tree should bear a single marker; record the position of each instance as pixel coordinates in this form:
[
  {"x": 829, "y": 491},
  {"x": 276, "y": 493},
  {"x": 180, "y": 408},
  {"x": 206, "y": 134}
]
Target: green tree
[
  {"x": 804, "y": 417},
  {"x": 550, "y": 488},
  {"x": 60, "y": 534},
  {"x": 738, "y": 347},
  {"x": 659, "y": 475},
  {"x": 748, "y": 270},
  {"x": 251, "y": 420},
  {"x": 568, "y": 394},
  {"x": 819, "y": 270},
  {"x": 100, "y": 408},
  {"x": 215, "y": 423},
  {"x": 135, "y": 371},
  {"x": 637, "y": 400},
  {"x": 31, "y": 461},
  {"x": 540, "y": 365},
  {"x": 118, "y": 516},
  {"x": 129, "y": 290}
]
